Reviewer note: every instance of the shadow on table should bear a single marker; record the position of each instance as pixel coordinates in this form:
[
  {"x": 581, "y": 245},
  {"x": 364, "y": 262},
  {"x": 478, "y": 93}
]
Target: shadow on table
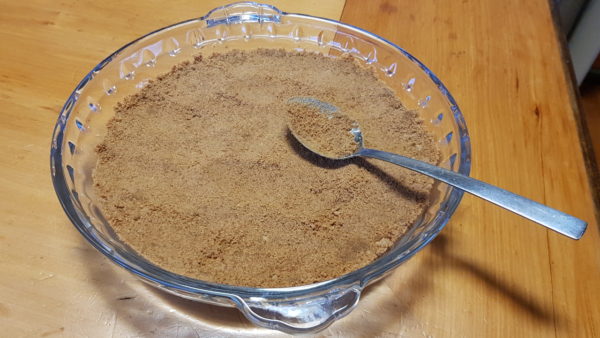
[
  {"x": 386, "y": 307},
  {"x": 410, "y": 284},
  {"x": 518, "y": 297}
]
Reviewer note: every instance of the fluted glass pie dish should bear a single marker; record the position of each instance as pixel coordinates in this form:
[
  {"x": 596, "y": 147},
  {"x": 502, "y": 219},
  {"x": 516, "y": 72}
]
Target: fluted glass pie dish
[{"x": 309, "y": 308}]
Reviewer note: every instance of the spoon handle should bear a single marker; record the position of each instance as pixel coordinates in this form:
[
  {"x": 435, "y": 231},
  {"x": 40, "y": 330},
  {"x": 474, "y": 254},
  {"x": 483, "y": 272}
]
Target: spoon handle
[{"x": 539, "y": 213}]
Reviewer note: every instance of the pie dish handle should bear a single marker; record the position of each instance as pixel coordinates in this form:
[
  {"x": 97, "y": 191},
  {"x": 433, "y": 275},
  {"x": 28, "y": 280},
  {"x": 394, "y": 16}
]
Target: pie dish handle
[
  {"x": 246, "y": 11},
  {"x": 306, "y": 315}
]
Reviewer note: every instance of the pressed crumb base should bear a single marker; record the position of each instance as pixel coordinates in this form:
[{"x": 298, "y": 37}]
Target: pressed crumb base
[{"x": 199, "y": 173}]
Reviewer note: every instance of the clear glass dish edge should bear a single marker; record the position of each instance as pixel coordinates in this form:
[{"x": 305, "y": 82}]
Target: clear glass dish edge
[{"x": 241, "y": 297}]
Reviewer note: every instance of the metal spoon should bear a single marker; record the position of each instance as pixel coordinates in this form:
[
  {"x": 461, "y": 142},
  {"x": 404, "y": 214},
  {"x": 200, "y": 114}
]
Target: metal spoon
[{"x": 539, "y": 213}]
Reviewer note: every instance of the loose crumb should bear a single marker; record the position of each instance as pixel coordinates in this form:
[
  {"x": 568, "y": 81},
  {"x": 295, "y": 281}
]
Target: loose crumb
[
  {"x": 199, "y": 173},
  {"x": 326, "y": 133}
]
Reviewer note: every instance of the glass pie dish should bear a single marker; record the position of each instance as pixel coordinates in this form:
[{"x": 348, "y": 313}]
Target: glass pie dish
[{"x": 247, "y": 25}]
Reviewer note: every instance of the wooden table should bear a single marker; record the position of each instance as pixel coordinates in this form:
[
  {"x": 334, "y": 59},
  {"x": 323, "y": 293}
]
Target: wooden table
[{"x": 489, "y": 273}]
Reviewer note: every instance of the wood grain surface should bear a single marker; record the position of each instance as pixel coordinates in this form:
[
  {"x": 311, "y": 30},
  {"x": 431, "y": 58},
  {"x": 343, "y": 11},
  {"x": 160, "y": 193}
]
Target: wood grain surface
[{"x": 489, "y": 273}]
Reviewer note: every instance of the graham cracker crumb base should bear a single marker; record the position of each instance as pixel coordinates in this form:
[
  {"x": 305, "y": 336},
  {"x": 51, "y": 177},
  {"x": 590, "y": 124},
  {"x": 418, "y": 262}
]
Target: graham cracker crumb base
[{"x": 199, "y": 173}]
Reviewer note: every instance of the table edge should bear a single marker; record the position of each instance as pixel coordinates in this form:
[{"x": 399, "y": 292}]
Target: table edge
[{"x": 583, "y": 133}]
